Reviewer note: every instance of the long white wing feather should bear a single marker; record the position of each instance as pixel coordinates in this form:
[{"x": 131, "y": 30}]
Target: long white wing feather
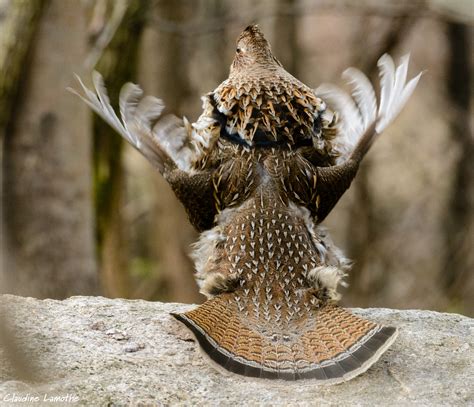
[
  {"x": 399, "y": 96},
  {"x": 130, "y": 95},
  {"x": 92, "y": 100},
  {"x": 364, "y": 95},
  {"x": 387, "y": 73}
]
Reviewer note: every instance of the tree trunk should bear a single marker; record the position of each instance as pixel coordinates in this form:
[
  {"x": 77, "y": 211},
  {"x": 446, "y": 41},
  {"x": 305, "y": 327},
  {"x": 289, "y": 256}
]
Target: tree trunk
[
  {"x": 286, "y": 36},
  {"x": 166, "y": 76},
  {"x": 117, "y": 64},
  {"x": 17, "y": 27},
  {"x": 48, "y": 218},
  {"x": 456, "y": 276}
]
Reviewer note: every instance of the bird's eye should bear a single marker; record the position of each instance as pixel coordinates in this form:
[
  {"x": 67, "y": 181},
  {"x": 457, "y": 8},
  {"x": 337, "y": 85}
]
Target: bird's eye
[{"x": 239, "y": 50}]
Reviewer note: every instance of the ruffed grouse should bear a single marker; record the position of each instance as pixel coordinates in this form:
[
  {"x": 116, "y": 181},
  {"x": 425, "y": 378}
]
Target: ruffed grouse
[{"x": 257, "y": 173}]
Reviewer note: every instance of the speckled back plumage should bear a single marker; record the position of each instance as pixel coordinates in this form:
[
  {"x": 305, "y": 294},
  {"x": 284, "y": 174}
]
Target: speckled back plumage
[{"x": 257, "y": 173}]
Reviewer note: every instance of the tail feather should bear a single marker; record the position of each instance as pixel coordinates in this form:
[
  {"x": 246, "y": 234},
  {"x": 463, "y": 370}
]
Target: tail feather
[{"x": 329, "y": 344}]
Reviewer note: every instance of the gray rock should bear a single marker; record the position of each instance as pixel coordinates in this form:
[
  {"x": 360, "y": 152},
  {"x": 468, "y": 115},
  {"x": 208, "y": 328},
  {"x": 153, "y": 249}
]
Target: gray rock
[{"x": 96, "y": 351}]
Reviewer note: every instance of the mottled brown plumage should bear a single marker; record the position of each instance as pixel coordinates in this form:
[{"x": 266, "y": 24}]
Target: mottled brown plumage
[
  {"x": 257, "y": 172},
  {"x": 262, "y": 103}
]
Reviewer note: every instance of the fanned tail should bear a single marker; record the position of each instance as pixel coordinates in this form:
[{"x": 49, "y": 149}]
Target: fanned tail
[
  {"x": 328, "y": 345},
  {"x": 359, "y": 111}
]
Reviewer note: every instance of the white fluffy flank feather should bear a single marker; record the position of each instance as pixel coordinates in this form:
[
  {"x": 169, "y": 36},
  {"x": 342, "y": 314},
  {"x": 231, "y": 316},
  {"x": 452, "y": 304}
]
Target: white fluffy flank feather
[
  {"x": 204, "y": 256},
  {"x": 210, "y": 276},
  {"x": 327, "y": 279},
  {"x": 360, "y": 110}
]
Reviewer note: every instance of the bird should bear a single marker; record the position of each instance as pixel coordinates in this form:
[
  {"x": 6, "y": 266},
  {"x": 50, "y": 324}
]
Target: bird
[{"x": 257, "y": 173}]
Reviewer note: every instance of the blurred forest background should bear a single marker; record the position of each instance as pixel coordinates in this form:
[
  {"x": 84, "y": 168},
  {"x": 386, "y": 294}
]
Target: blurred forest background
[{"x": 84, "y": 213}]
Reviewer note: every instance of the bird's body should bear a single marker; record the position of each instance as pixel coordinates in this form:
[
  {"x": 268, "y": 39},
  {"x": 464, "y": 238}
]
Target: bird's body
[
  {"x": 257, "y": 173},
  {"x": 272, "y": 311}
]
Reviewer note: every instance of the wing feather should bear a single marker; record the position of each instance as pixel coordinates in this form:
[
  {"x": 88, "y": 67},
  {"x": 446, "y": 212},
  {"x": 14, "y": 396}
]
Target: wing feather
[
  {"x": 364, "y": 95},
  {"x": 137, "y": 118},
  {"x": 130, "y": 95},
  {"x": 91, "y": 99},
  {"x": 165, "y": 141},
  {"x": 387, "y": 70},
  {"x": 103, "y": 98},
  {"x": 344, "y": 104},
  {"x": 359, "y": 111}
]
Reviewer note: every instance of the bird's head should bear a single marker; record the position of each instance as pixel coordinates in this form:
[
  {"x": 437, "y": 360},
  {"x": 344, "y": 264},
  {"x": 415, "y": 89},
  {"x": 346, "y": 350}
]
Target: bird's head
[{"x": 252, "y": 50}]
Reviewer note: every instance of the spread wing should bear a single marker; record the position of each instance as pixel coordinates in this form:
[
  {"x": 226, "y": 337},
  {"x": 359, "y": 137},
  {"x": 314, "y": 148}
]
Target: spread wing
[
  {"x": 362, "y": 119},
  {"x": 358, "y": 111},
  {"x": 166, "y": 141},
  {"x": 170, "y": 144}
]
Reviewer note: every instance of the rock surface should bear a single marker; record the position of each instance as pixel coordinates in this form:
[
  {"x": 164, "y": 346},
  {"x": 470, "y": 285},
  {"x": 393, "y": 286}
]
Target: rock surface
[{"x": 95, "y": 351}]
